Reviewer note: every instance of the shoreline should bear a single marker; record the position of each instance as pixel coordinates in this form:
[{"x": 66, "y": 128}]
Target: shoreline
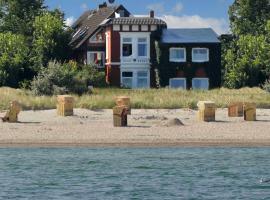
[{"x": 88, "y": 128}]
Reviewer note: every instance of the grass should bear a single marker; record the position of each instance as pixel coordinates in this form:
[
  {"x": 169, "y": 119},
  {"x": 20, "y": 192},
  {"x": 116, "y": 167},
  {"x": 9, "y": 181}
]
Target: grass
[{"x": 147, "y": 99}]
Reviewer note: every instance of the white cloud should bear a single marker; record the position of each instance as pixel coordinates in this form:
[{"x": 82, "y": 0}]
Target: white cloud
[
  {"x": 69, "y": 21},
  {"x": 178, "y": 8},
  {"x": 157, "y": 7},
  {"x": 84, "y": 6},
  {"x": 195, "y": 21}
]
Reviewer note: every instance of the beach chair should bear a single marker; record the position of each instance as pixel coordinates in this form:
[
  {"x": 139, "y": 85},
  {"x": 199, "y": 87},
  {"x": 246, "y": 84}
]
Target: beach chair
[
  {"x": 12, "y": 113},
  {"x": 124, "y": 101},
  {"x": 120, "y": 116}
]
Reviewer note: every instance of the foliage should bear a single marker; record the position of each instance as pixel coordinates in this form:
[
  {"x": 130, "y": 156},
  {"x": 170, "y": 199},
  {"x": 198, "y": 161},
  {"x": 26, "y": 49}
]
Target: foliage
[
  {"x": 246, "y": 57},
  {"x": 17, "y": 16},
  {"x": 13, "y": 53},
  {"x": 50, "y": 38},
  {"x": 247, "y": 63},
  {"x": 266, "y": 86},
  {"x": 64, "y": 78},
  {"x": 249, "y": 16}
]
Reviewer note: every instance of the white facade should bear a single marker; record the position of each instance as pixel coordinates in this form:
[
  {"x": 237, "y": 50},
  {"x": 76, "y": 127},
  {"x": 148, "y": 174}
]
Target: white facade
[{"x": 135, "y": 59}]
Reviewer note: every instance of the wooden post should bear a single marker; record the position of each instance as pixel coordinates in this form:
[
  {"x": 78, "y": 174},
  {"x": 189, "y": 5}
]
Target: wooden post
[
  {"x": 236, "y": 109},
  {"x": 249, "y": 111},
  {"x": 124, "y": 101},
  {"x": 207, "y": 111},
  {"x": 13, "y": 112},
  {"x": 65, "y": 104},
  {"x": 120, "y": 116}
]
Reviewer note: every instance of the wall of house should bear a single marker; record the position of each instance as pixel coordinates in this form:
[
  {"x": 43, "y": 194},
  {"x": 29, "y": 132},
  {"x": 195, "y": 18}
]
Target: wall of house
[{"x": 189, "y": 69}]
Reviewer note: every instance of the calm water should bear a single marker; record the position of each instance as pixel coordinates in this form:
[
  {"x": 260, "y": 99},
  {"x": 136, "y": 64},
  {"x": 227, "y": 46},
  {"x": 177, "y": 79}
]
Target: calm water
[{"x": 119, "y": 173}]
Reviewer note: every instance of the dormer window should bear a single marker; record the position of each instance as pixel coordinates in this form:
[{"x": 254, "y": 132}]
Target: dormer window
[{"x": 97, "y": 38}]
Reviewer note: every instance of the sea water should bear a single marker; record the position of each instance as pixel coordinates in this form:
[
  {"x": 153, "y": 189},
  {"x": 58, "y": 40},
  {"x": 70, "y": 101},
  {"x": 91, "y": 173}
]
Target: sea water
[{"x": 130, "y": 173}]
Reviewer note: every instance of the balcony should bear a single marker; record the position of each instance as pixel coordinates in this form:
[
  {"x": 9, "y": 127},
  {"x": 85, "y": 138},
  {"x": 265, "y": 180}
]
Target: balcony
[{"x": 135, "y": 60}]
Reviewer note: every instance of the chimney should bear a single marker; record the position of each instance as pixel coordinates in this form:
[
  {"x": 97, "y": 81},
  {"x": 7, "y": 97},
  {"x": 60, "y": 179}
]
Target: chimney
[
  {"x": 104, "y": 5},
  {"x": 152, "y": 13}
]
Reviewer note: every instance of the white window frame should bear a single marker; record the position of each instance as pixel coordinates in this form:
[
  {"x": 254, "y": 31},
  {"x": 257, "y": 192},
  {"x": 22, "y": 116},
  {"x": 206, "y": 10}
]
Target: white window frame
[
  {"x": 132, "y": 78},
  {"x": 93, "y": 39},
  {"x": 146, "y": 43},
  {"x": 103, "y": 58},
  {"x": 132, "y": 47},
  {"x": 185, "y": 85},
  {"x": 200, "y": 79},
  {"x": 200, "y": 61},
  {"x": 142, "y": 77},
  {"x": 178, "y": 60}
]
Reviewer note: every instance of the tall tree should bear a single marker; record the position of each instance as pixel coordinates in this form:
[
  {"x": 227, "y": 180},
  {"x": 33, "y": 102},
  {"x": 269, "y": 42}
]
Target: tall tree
[
  {"x": 17, "y": 16},
  {"x": 51, "y": 38},
  {"x": 249, "y": 16}
]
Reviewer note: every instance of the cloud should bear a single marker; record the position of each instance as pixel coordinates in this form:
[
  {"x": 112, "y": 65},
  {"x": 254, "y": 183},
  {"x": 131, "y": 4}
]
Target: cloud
[
  {"x": 221, "y": 26},
  {"x": 178, "y": 8},
  {"x": 157, "y": 7},
  {"x": 69, "y": 21},
  {"x": 84, "y": 6}
]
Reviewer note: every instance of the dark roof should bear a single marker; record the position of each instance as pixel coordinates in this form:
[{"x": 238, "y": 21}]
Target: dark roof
[
  {"x": 195, "y": 35},
  {"x": 137, "y": 21},
  {"x": 89, "y": 22}
]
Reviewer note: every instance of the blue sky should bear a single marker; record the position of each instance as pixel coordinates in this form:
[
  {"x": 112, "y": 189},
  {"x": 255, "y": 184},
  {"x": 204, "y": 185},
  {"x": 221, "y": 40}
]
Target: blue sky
[{"x": 177, "y": 13}]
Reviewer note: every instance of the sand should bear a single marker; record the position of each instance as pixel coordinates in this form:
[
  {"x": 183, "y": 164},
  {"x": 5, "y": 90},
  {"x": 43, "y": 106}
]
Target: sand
[{"x": 146, "y": 129}]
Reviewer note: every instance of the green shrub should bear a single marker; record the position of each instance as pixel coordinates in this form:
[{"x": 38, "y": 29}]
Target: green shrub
[
  {"x": 266, "y": 86},
  {"x": 65, "y": 78}
]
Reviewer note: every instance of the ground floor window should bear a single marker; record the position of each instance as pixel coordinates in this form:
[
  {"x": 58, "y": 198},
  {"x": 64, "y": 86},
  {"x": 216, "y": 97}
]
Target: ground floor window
[
  {"x": 95, "y": 58},
  {"x": 200, "y": 83},
  {"x": 178, "y": 83},
  {"x": 135, "y": 79},
  {"x": 127, "y": 79}
]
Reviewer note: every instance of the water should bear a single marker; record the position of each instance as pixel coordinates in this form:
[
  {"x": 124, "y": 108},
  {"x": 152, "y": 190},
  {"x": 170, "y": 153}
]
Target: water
[{"x": 119, "y": 173}]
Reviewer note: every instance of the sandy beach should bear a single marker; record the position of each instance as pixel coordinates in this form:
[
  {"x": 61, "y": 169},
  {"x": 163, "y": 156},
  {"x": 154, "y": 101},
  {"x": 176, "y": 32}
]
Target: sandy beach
[{"x": 146, "y": 128}]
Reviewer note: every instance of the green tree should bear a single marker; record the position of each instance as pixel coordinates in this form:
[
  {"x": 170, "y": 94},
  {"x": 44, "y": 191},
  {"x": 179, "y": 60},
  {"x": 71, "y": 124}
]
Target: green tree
[
  {"x": 17, "y": 16},
  {"x": 13, "y": 53},
  {"x": 51, "y": 38},
  {"x": 249, "y": 16}
]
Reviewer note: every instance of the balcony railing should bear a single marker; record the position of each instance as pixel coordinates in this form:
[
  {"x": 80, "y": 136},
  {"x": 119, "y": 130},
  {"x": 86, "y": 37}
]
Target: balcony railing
[{"x": 135, "y": 60}]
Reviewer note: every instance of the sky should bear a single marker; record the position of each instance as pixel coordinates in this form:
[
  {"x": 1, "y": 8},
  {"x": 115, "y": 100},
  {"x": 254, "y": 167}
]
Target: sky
[{"x": 176, "y": 13}]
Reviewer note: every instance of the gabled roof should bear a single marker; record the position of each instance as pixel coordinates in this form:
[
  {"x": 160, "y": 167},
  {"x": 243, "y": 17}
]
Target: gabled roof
[
  {"x": 137, "y": 21},
  {"x": 195, "y": 35},
  {"x": 89, "y": 22}
]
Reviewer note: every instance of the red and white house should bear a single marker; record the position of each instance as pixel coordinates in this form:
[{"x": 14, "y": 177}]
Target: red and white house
[{"x": 124, "y": 46}]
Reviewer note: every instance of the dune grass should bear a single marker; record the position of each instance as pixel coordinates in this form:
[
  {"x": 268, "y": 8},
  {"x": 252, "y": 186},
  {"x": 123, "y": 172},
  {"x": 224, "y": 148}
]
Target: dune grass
[{"x": 147, "y": 99}]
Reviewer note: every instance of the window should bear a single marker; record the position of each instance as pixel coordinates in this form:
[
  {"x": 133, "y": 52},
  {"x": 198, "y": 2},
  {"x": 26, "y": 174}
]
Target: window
[
  {"x": 178, "y": 83},
  {"x": 200, "y": 83},
  {"x": 97, "y": 38},
  {"x": 153, "y": 27},
  {"x": 127, "y": 79},
  {"x": 142, "y": 47},
  {"x": 96, "y": 58},
  {"x": 142, "y": 79},
  {"x": 200, "y": 55},
  {"x": 135, "y": 27},
  {"x": 127, "y": 47},
  {"x": 177, "y": 55}
]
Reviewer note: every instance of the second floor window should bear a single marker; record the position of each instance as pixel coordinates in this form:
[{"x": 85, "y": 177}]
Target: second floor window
[
  {"x": 127, "y": 47},
  {"x": 200, "y": 55},
  {"x": 142, "y": 47},
  {"x": 177, "y": 55}
]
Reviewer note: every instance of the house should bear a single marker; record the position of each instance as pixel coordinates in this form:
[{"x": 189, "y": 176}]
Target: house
[{"x": 135, "y": 52}]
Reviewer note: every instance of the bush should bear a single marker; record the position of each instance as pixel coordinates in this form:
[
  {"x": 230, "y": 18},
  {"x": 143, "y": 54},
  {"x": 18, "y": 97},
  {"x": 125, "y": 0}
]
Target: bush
[
  {"x": 266, "y": 86},
  {"x": 65, "y": 78}
]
